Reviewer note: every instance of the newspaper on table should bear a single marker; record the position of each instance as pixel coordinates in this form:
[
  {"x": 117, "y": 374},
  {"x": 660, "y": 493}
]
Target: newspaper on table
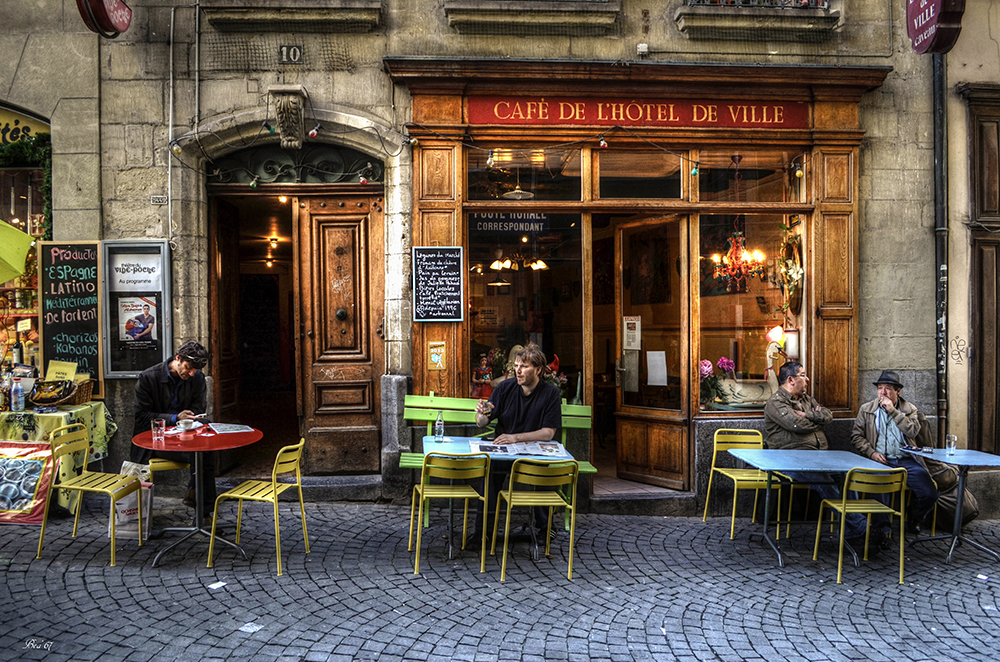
[
  {"x": 227, "y": 428},
  {"x": 534, "y": 448}
]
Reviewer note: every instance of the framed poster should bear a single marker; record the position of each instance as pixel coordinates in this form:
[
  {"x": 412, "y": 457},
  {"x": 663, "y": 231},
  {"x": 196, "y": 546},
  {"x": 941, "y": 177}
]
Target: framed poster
[{"x": 138, "y": 327}]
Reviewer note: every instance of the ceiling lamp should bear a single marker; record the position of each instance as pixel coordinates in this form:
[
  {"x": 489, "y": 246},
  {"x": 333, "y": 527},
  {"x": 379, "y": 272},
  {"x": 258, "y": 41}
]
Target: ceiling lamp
[
  {"x": 537, "y": 265},
  {"x": 518, "y": 193},
  {"x": 274, "y": 242},
  {"x": 497, "y": 282}
]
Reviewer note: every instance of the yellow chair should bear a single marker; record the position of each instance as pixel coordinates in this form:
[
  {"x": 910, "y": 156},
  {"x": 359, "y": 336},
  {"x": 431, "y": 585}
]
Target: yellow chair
[
  {"x": 866, "y": 481},
  {"x": 743, "y": 479},
  {"x": 288, "y": 460},
  {"x": 73, "y": 438},
  {"x": 159, "y": 464},
  {"x": 547, "y": 474},
  {"x": 451, "y": 466},
  {"x": 792, "y": 486}
]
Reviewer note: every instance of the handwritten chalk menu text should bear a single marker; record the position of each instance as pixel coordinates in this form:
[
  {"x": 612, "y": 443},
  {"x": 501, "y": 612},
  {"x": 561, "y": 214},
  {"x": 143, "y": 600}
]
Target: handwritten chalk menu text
[
  {"x": 70, "y": 305},
  {"x": 438, "y": 284}
]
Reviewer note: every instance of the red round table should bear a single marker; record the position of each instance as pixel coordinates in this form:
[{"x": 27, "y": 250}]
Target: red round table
[{"x": 197, "y": 442}]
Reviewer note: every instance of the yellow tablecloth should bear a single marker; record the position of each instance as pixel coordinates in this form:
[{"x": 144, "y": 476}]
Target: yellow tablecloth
[{"x": 28, "y": 426}]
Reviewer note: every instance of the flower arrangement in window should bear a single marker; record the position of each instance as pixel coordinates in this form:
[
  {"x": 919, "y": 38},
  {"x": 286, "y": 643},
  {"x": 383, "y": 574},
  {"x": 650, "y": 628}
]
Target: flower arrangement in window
[
  {"x": 790, "y": 271},
  {"x": 711, "y": 388}
]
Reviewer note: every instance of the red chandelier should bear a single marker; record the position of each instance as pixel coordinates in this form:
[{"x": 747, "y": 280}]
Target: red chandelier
[{"x": 738, "y": 264}]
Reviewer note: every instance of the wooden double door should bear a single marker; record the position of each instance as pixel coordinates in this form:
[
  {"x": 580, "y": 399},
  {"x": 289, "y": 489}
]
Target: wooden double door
[{"x": 338, "y": 301}]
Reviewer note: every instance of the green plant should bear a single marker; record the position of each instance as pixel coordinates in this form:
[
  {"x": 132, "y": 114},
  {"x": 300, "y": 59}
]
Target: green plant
[{"x": 35, "y": 152}]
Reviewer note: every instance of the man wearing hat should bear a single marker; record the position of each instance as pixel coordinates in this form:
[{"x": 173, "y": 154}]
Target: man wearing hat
[{"x": 882, "y": 426}]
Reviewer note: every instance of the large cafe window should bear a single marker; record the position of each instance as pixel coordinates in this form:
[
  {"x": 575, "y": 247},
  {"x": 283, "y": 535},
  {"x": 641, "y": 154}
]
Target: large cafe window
[
  {"x": 525, "y": 285},
  {"x": 526, "y": 270}
]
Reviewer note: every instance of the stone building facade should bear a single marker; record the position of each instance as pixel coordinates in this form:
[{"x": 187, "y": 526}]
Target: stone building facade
[{"x": 183, "y": 105}]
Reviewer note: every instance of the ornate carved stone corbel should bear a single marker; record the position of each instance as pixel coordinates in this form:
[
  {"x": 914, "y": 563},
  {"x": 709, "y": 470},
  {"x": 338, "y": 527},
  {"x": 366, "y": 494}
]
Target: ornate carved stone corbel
[{"x": 289, "y": 105}]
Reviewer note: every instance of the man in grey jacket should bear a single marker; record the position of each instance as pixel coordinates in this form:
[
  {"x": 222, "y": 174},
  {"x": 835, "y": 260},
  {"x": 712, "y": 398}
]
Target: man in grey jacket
[{"x": 882, "y": 426}]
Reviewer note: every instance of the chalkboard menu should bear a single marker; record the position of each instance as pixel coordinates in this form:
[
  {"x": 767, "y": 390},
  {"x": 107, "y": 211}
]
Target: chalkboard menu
[
  {"x": 69, "y": 306},
  {"x": 438, "y": 279}
]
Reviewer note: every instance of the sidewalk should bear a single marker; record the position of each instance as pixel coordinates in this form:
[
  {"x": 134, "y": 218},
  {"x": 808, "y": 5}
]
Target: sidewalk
[{"x": 643, "y": 588}]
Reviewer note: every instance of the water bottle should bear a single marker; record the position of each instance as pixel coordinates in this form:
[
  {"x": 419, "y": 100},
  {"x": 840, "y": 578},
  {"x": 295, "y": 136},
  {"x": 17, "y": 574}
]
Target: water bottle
[
  {"x": 17, "y": 396},
  {"x": 439, "y": 428}
]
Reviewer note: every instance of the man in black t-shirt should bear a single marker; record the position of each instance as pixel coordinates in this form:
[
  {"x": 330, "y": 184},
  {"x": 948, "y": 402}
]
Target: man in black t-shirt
[{"x": 526, "y": 407}]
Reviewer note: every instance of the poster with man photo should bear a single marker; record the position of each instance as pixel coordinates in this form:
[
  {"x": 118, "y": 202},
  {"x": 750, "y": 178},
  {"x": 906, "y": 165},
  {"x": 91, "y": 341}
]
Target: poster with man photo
[{"x": 137, "y": 327}]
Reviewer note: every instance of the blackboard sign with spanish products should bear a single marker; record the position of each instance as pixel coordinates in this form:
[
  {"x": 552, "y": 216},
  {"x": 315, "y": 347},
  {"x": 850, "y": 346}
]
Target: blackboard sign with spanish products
[
  {"x": 438, "y": 284},
  {"x": 70, "y": 306}
]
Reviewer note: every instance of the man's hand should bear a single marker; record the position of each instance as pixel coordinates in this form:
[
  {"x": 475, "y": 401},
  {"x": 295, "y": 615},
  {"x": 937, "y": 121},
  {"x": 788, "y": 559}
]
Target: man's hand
[
  {"x": 878, "y": 457},
  {"x": 484, "y": 407},
  {"x": 186, "y": 414},
  {"x": 886, "y": 404},
  {"x": 800, "y": 413},
  {"x": 506, "y": 439}
]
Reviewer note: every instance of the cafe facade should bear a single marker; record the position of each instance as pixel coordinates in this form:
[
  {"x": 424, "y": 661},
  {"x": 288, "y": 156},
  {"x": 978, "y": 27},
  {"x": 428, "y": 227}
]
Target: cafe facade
[
  {"x": 628, "y": 198},
  {"x": 638, "y": 190}
]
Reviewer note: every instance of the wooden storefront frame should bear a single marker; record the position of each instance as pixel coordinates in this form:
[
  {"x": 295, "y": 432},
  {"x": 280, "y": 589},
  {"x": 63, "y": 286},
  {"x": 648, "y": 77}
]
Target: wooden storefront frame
[{"x": 440, "y": 90}]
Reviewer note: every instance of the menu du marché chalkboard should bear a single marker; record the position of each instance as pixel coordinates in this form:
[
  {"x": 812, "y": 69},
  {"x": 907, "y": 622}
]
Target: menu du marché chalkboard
[{"x": 438, "y": 283}]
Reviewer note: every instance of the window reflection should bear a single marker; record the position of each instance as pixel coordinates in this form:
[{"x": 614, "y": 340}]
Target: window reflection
[
  {"x": 534, "y": 174},
  {"x": 525, "y": 285},
  {"x": 761, "y": 176},
  {"x": 631, "y": 174},
  {"x": 736, "y": 317}
]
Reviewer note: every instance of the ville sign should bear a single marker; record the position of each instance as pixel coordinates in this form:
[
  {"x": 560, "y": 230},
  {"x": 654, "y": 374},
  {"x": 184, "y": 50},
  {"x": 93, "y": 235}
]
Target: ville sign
[
  {"x": 108, "y": 18},
  {"x": 934, "y": 25}
]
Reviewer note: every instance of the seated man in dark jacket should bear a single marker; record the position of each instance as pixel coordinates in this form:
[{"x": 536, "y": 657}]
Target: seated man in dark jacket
[
  {"x": 794, "y": 420},
  {"x": 174, "y": 391}
]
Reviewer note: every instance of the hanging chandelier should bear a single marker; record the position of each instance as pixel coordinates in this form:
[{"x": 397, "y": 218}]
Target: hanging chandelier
[{"x": 739, "y": 264}]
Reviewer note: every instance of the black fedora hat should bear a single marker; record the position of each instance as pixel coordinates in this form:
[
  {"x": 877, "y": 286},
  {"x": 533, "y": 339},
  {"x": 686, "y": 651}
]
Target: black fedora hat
[{"x": 888, "y": 377}]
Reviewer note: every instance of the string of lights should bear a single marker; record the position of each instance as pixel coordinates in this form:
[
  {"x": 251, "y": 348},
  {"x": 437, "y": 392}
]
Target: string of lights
[{"x": 797, "y": 163}]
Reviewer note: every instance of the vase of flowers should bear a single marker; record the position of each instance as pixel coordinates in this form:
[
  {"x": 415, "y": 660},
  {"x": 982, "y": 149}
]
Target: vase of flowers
[{"x": 711, "y": 388}]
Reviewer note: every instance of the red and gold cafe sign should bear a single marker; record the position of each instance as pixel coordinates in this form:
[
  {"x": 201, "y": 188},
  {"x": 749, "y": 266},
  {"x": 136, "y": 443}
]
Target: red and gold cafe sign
[
  {"x": 637, "y": 112},
  {"x": 934, "y": 25}
]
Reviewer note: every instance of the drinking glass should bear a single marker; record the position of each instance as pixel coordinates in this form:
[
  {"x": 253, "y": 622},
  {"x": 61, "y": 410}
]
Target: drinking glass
[
  {"x": 950, "y": 444},
  {"x": 159, "y": 431}
]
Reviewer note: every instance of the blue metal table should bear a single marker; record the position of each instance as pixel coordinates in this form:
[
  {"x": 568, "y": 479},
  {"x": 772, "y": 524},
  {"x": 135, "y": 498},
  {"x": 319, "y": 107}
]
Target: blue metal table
[
  {"x": 963, "y": 459},
  {"x": 774, "y": 460}
]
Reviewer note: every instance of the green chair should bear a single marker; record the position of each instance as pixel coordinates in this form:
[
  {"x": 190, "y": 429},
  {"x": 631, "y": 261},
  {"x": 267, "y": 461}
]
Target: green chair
[
  {"x": 743, "y": 479},
  {"x": 73, "y": 438},
  {"x": 452, "y": 467},
  {"x": 560, "y": 475}
]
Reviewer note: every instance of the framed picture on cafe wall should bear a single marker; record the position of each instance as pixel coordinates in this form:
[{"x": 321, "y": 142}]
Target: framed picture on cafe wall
[{"x": 138, "y": 330}]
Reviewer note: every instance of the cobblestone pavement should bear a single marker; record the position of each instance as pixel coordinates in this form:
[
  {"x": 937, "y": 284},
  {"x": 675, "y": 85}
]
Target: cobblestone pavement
[{"x": 643, "y": 589}]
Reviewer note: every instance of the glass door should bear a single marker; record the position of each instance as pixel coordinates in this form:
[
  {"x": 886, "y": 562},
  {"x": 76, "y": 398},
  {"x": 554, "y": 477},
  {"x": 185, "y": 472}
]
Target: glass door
[{"x": 652, "y": 375}]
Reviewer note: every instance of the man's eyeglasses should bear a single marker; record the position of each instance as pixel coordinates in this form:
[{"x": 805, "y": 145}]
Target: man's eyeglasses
[{"x": 196, "y": 363}]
